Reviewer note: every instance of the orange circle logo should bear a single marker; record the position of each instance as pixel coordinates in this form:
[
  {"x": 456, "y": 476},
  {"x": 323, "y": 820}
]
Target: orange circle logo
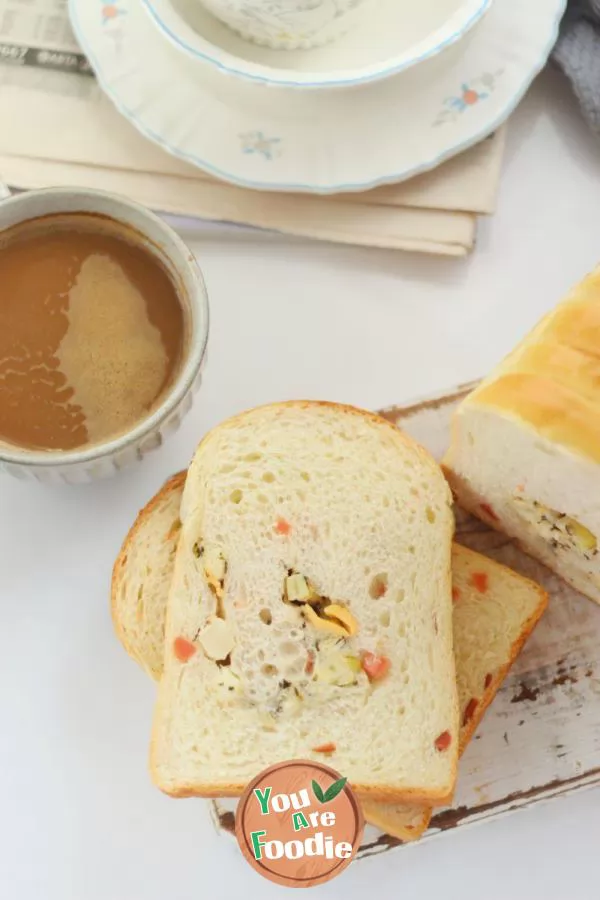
[{"x": 298, "y": 823}]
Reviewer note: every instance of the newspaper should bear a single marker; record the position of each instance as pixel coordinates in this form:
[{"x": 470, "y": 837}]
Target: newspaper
[
  {"x": 37, "y": 48},
  {"x": 64, "y": 131}
]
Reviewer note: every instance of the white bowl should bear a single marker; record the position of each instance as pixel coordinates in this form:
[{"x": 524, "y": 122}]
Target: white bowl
[
  {"x": 107, "y": 458},
  {"x": 401, "y": 34}
]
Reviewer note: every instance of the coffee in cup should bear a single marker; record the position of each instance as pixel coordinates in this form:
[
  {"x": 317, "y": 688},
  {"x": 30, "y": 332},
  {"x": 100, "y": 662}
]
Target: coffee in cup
[{"x": 103, "y": 329}]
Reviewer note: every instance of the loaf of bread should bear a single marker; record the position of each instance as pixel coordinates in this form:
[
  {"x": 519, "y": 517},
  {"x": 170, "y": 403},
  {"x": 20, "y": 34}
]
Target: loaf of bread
[
  {"x": 525, "y": 447},
  {"x": 494, "y": 611},
  {"x": 310, "y": 611}
]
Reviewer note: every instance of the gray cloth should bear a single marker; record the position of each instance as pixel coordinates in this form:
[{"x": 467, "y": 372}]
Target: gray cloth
[{"x": 577, "y": 52}]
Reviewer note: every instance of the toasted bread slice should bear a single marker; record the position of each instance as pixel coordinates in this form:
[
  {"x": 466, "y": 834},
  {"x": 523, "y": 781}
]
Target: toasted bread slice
[
  {"x": 490, "y": 626},
  {"x": 310, "y": 608}
]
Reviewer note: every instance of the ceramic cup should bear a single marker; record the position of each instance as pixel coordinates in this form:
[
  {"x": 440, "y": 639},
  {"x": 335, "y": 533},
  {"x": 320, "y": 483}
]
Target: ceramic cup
[
  {"x": 106, "y": 458},
  {"x": 288, "y": 24}
]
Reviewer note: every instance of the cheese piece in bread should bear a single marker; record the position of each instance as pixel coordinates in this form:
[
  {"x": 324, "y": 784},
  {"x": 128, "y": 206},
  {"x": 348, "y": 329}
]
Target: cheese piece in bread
[
  {"x": 494, "y": 612},
  {"x": 525, "y": 447},
  {"x": 310, "y": 611}
]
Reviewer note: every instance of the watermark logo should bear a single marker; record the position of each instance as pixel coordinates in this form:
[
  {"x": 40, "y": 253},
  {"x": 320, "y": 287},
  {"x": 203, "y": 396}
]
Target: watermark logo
[{"x": 298, "y": 823}]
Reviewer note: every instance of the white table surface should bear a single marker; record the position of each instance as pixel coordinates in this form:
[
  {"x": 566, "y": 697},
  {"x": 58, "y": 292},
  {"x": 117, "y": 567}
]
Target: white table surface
[{"x": 79, "y": 819}]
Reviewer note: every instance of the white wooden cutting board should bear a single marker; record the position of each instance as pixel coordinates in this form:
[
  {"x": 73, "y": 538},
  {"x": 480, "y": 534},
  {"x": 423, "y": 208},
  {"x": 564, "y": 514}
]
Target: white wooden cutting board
[{"x": 540, "y": 738}]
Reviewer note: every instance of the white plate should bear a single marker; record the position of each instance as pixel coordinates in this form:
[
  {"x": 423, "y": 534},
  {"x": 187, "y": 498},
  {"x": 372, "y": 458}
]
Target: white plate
[
  {"x": 389, "y": 39},
  {"x": 275, "y": 138}
]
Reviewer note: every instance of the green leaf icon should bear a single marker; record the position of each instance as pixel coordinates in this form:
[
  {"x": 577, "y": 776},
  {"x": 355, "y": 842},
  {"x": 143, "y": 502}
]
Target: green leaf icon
[
  {"x": 334, "y": 789},
  {"x": 318, "y": 792}
]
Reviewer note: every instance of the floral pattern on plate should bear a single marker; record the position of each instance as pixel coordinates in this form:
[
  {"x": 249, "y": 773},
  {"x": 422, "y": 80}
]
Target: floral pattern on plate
[
  {"x": 471, "y": 92},
  {"x": 258, "y": 142},
  {"x": 111, "y": 11}
]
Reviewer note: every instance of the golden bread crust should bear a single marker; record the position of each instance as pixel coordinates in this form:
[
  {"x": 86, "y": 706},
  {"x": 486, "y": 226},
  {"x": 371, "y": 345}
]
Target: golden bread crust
[
  {"x": 173, "y": 484},
  {"x": 551, "y": 380}
]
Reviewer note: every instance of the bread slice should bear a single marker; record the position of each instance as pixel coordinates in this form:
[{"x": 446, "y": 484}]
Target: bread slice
[
  {"x": 142, "y": 576},
  {"x": 525, "y": 448},
  {"x": 494, "y": 612},
  {"x": 310, "y": 610}
]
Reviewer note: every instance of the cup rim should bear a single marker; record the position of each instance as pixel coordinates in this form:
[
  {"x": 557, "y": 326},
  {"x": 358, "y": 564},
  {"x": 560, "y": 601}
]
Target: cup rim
[{"x": 183, "y": 383}]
